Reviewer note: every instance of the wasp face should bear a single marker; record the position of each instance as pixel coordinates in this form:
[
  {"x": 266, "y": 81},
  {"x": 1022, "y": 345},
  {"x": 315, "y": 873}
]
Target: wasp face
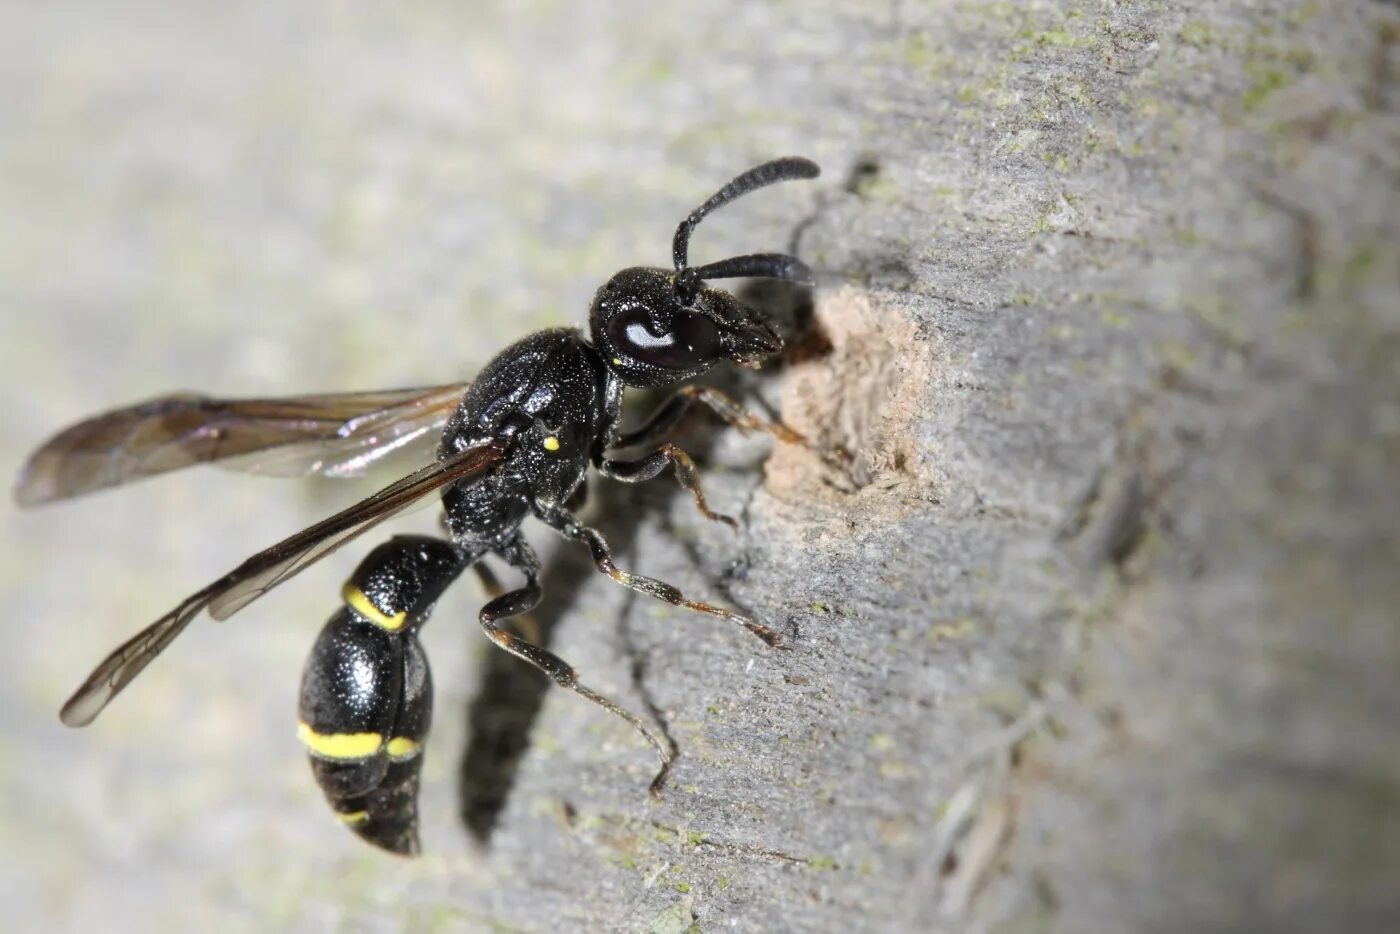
[{"x": 651, "y": 336}]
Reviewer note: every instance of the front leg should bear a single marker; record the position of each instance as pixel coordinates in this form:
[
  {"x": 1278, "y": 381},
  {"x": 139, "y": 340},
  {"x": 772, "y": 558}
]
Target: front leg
[
  {"x": 648, "y": 467},
  {"x": 664, "y": 420}
]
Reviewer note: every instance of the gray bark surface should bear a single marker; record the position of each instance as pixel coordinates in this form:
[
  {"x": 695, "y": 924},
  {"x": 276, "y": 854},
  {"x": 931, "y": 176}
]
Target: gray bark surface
[{"x": 1098, "y": 631}]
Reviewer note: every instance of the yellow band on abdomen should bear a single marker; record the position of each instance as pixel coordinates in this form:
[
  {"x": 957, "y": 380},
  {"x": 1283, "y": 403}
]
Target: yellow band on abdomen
[
  {"x": 401, "y": 747},
  {"x": 355, "y": 598},
  {"x": 339, "y": 745}
]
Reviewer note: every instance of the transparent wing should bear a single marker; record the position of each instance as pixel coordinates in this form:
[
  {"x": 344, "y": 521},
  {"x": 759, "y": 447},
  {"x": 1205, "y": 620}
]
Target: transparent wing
[
  {"x": 338, "y": 434},
  {"x": 267, "y": 569}
]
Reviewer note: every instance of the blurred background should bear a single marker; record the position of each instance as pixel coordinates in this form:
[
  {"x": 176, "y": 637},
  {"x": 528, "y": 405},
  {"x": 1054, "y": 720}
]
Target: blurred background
[{"x": 1101, "y": 635}]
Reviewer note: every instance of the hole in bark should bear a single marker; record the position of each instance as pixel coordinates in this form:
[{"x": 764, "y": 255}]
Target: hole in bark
[{"x": 854, "y": 384}]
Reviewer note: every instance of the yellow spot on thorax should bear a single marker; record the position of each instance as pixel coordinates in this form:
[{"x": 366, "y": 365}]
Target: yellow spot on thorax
[
  {"x": 551, "y": 443},
  {"x": 354, "y": 817},
  {"x": 355, "y": 598},
  {"x": 617, "y": 361},
  {"x": 339, "y": 745}
]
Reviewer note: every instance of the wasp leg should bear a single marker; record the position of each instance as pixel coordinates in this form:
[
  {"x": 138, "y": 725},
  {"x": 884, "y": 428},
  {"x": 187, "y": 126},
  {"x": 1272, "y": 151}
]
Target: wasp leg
[
  {"x": 366, "y": 692},
  {"x": 524, "y": 623},
  {"x": 575, "y": 531},
  {"x": 524, "y": 599},
  {"x": 648, "y": 467},
  {"x": 668, "y": 415}
]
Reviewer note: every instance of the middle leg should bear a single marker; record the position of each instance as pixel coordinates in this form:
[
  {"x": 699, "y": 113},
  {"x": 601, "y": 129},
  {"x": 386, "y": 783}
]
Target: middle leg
[
  {"x": 648, "y": 467},
  {"x": 575, "y": 531}
]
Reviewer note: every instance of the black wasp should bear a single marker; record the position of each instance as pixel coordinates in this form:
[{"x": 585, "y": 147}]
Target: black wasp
[{"x": 515, "y": 442}]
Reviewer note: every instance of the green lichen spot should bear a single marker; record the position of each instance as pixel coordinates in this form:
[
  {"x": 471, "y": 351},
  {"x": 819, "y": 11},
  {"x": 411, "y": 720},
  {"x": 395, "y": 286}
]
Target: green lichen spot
[
  {"x": 1304, "y": 13},
  {"x": 678, "y": 918},
  {"x": 1265, "y": 80},
  {"x": 1178, "y": 355},
  {"x": 957, "y": 629},
  {"x": 920, "y": 54},
  {"x": 878, "y": 188},
  {"x": 1188, "y": 236},
  {"x": 1197, "y": 33}
]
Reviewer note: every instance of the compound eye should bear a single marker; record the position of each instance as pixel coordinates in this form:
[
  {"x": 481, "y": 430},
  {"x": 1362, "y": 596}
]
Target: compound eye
[{"x": 691, "y": 341}]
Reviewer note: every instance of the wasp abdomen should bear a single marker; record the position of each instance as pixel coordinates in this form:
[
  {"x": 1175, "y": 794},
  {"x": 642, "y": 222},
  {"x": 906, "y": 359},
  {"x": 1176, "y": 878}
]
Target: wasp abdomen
[{"x": 366, "y": 693}]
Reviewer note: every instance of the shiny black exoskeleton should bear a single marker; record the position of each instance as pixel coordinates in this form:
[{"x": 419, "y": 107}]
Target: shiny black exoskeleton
[{"x": 519, "y": 443}]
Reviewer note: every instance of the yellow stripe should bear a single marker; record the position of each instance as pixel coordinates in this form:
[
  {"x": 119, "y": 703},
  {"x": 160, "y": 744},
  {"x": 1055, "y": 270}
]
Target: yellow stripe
[
  {"x": 339, "y": 745},
  {"x": 357, "y": 601},
  {"x": 551, "y": 443},
  {"x": 354, "y": 817},
  {"x": 401, "y": 747}
]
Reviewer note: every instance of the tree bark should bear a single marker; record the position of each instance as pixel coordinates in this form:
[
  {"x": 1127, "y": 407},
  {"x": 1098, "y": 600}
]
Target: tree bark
[{"x": 1096, "y": 629}]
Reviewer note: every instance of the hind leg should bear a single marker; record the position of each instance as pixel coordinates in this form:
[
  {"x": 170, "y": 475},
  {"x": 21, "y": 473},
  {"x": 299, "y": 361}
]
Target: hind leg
[{"x": 523, "y": 600}]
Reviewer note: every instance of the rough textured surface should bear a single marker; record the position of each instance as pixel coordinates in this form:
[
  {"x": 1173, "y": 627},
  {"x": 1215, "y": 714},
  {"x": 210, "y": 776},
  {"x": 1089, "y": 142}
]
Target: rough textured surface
[{"x": 1098, "y": 633}]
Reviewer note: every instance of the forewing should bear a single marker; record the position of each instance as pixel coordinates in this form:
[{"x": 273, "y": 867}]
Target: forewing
[
  {"x": 267, "y": 569},
  {"x": 338, "y": 434},
  {"x": 126, "y": 662}
]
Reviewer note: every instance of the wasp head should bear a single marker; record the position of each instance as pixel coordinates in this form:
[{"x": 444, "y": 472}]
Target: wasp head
[{"x": 655, "y": 327}]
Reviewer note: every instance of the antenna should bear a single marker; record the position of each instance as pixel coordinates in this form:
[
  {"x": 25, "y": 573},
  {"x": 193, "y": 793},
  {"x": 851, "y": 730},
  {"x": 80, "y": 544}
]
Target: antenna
[
  {"x": 770, "y": 265},
  {"x": 757, "y": 265}
]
